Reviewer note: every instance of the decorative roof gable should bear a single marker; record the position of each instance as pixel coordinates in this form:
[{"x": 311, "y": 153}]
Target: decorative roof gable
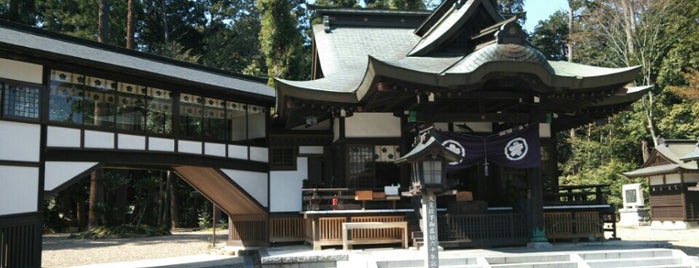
[
  {"x": 456, "y": 23},
  {"x": 666, "y": 159}
]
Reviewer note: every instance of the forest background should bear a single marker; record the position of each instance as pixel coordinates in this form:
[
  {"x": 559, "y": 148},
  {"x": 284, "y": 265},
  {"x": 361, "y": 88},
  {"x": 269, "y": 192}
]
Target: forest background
[{"x": 271, "y": 38}]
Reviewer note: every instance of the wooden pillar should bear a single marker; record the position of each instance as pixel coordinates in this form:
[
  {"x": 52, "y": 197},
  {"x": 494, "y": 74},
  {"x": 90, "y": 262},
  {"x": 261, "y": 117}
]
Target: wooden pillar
[{"x": 535, "y": 206}]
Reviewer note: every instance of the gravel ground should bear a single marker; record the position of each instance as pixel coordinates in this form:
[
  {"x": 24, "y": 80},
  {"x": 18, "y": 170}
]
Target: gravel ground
[{"x": 61, "y": 251}]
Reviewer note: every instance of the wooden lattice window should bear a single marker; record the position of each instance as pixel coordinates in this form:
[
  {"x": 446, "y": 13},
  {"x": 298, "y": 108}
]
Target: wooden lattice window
[{"x": 283, "y": 158}]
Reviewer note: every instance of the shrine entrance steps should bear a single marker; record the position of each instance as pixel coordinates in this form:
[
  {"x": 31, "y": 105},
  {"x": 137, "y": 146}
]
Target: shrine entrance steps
[{"x": 573, "y": 259}]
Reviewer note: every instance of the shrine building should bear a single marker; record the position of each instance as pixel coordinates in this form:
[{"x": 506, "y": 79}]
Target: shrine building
[{"x": 294, "y": 162}]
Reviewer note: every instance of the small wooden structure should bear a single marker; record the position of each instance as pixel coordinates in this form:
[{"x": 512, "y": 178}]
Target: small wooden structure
[{"x": 672, "y": 181}]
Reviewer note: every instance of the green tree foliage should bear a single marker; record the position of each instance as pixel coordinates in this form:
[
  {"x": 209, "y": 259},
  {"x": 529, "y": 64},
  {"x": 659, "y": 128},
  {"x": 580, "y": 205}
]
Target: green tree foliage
[
  {"x": 21, "y": 11},
  {"x": 337, "y": 3},
  {"x": 230, "y": 41},
  {"x": 663, "y": 37},
  {"x": 551, "y": 36},
  {"x": 280, "y": 40},
  {"x": 511, "y": 6}
]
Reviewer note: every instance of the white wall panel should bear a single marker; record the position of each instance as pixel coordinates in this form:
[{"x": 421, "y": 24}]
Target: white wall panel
[
  {"x": 372, "y": 125},
  {"x": 285, "y": 187},
  {"x": 655, "y": 180},
  {"x": 99, "y": 139},
  {"x": 20, "y": 189},
  {"x": 19, "y": 141},
  {"x": 131, "y": 142},
  {"x": 310, "y": 149},
  {"x": 238, "y": 152},
  {"x": 259, "y": 154},
  {"x": 21, "y": 71},
  {"x": 192, "y": 147},
  {"x": 691, "y": 177},
  {"x": 160, "y": 144},
  {"x": 254, "y": 183},
  {"x": 215, "y": 149},
  {"x": 673, "y": 178},
  {"x": 63, "y": 137},
  {"x": 59, "y": 172}
]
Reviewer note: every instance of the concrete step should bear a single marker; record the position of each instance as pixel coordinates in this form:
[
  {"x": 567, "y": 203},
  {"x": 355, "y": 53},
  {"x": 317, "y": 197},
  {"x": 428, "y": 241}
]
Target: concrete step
[
  {"x": 529, "y": 259},
  {"x": 555, "y": 264},
  {"x": 626, "y": 254},
  {"x": 533, "y": 261},
  {"x": 636, "y": 262},
  {"x": 447, "y": 262}
]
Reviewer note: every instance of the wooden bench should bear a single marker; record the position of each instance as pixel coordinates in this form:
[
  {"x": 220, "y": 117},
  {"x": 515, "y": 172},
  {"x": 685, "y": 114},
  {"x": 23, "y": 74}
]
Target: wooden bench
[{"x": 347, "y": 226}]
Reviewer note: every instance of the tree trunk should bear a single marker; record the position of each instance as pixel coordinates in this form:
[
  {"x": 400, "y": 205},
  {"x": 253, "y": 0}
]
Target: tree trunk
[
  {"x": 130, "y": 26},
  {"x": 629, "y": 13},
  {"x": 166, "y": 32},
  {"x": 103, "y": 23},
  {"x": 569, "y": 43},
  {"x": 174, "y": 214},
  {"x": 96, "y": 198}
]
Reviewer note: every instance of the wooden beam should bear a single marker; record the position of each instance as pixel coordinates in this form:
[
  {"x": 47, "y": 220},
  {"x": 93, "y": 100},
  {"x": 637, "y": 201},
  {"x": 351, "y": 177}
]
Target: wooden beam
[{"x": 482, "y": 117}]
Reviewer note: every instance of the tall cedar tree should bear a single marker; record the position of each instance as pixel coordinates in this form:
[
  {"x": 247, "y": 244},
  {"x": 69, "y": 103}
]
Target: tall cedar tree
[{"x": 280, "y": 41}]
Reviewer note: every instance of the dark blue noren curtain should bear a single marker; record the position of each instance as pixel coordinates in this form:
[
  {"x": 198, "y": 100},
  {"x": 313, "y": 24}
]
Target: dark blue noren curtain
[{"x": 516, "y": 149}]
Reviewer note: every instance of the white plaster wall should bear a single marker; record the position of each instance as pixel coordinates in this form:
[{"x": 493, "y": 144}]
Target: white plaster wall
[
  {"x": 215, "y": 149},
  {"x": 21, "y": 71},
  {"x": 20, "y": 189},
  {"x": 59, "y": 172},
  {"x": 259, "y": 154},
  {"x": 655, "y": 180},
  {"x": 161, "y": 144},
  {"x": 192, "y": 147},
  {"x": 99, "y": 139},
  {"x": 310, "y": 150},
  {"x": 238, "y": 152},
  {"x": 285, "y": 187},
  {"x": 372, "y": 125},
  {"x": 19, "y": 141},
  {"x": 132, "y": 142},
  {"x": 691, "y": 177},
  {"x": 63, "y": 137},
  {"x": 673, "y": 178},
  {"x": 254, "y": 183}
]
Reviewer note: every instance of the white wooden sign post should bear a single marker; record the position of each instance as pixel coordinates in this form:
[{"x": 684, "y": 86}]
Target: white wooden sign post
[{"x": 431, "y": 235}]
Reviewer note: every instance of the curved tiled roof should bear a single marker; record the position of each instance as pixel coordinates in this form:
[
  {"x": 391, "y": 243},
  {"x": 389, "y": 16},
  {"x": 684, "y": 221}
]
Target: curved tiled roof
[
  {"x": 503, "y": 53},
  {"x": 459, "y": 53}
]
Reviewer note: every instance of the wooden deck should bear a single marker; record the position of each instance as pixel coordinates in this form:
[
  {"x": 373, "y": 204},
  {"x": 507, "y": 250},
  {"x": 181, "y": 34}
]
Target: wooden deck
[{"x": 576, "y": 213}]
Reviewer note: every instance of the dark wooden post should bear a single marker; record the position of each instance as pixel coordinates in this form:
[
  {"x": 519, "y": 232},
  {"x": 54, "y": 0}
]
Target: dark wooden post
[{"x": 536, "y": 209}]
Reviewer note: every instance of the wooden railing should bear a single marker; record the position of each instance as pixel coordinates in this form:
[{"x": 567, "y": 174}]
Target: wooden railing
[
  {"x": 330, "y": 228},
  {"x": 248, "y": 230},
  {"x": 322, "y": 199},
  {"x": 373, "y": 233},
  {"x": 573, "y": 224},
  {"x": 327, "y": 230},
  {"x": 286, "y": 228},
  {"x": 482, "y": 229},
  {"x": 578, "y": 195},
  {"x": 20, "y": 241}
]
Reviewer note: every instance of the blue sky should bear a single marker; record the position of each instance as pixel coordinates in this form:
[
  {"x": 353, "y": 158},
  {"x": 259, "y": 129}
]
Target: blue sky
[{"x": 540, "y": 10}]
